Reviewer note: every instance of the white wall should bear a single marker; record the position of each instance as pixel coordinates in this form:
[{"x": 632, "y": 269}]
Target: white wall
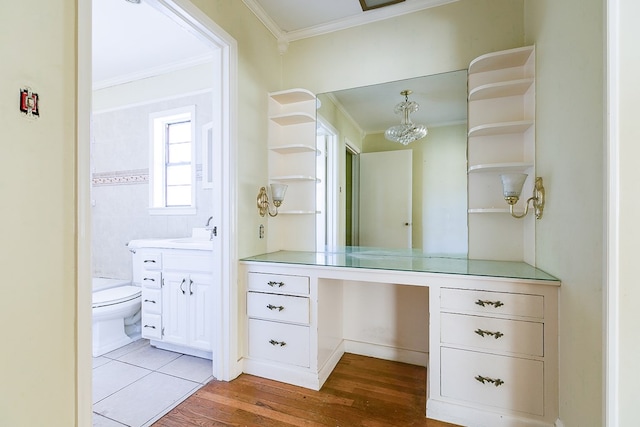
[
  {"x": 120, "y": 210},
  {"x": 629, "y": 205},
  {"x": 38, "y": 215},
  {"x": 570, "y": 157}
]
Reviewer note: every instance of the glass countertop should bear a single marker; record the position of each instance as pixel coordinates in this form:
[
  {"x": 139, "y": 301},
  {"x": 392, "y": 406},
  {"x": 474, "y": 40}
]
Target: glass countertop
[{"x": 404, "y": 260}]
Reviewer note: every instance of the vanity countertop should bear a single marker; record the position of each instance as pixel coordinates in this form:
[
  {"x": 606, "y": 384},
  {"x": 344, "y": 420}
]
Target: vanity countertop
[{"x": 404, "y": 260}]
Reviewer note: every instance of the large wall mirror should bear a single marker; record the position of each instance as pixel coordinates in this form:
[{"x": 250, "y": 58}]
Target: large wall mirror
[{"x": 384, "y": 194}]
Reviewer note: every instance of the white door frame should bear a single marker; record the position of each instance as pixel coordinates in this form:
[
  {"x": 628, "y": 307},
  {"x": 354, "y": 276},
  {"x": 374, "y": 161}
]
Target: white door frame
[
  {"x": 331, "y": 182},
  {"x": 225, "y": 339}
]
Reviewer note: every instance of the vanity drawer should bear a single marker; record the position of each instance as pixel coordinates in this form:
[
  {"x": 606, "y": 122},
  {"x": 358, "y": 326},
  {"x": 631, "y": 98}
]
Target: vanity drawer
[
  {"x": 278, "y": 307},
  {"x": 151, "y": 301},
  {"x": 487, "y": 302},
  {"x": 151, "y": 260},
  {"x": 151, "y": 326},
  {"x": 280, "y": 342},
  {"x": 517, "y": 383},
  {"x": 278, "y": 283},
  {"x": 151, "y": 279},
  {"x": 503, "y": 335}
]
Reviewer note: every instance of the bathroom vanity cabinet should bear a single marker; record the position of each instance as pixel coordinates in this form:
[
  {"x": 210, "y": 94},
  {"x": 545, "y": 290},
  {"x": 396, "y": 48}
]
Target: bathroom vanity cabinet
[
  {"x": 492, "y": 357},
  {"x": 177, "y": 299}
]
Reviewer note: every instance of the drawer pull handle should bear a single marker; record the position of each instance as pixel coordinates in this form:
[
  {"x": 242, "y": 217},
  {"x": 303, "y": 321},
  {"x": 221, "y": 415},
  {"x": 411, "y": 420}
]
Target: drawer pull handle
[
  {"x": 149, "y": 300},
  {"x": 496, "y": 304},
  {"x": 482, "y": 333},
  {"x": 149, "y": 326},
  {"x": 150, "y": 260},
  {"x": 149, "y": 278},
  {"x": 280, "y": 343},
  {"x": 182, "y": 283},
  {"x": 274, "y": 307},
  {"x": 274, "y": 284},
  {"x": 497, "y": 382}
]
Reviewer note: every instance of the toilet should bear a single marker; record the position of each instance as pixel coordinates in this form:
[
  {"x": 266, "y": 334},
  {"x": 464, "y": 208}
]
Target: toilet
[{"x": 116, "y": 315}]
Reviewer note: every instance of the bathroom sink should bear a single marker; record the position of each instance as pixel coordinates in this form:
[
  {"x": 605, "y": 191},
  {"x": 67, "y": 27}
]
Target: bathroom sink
[{"x": 190, "y": 243}]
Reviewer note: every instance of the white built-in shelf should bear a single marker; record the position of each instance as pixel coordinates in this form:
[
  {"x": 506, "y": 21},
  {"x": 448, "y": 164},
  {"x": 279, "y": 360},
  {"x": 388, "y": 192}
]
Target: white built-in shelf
[
  {"x": 284, "y": 178},
  {"x": 292, "y": 148},
  {"x": 500, "y": 60},
  {"x": 501, "y": 128},
  {"x": 298, "y": 212},
  {"x": 500, "y": 89},
  {"x": 501, "y": 167},
  {"x": 293, "y": 119},
  {"x": 292, "y": 96}
]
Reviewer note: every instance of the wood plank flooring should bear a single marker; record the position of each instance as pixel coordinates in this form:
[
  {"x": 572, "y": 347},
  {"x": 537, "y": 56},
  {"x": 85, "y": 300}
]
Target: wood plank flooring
[{"x": 361, "y": 391}]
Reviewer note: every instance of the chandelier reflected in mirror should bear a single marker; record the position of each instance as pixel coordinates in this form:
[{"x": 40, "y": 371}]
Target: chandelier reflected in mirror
[{"x": 406, "y": 132}]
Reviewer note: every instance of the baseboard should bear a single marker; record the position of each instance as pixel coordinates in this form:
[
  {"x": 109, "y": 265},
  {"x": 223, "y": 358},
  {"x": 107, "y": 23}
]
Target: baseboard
[
  {"x": 387, "y": 353},
  {"x": 461, "y": 414},
  {"x": 184, "y": 350},
  {"x": 279, "y": 372}
]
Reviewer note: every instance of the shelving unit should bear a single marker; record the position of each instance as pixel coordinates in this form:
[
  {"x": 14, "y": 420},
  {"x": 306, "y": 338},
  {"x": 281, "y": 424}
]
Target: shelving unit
[
  {"x": 501, "y": 139},
  {"x": 292, "y": 161}
]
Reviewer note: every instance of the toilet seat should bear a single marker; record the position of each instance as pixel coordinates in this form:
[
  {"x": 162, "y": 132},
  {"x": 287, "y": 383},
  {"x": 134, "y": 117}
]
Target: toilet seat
[{"x": 116, "y": 295}]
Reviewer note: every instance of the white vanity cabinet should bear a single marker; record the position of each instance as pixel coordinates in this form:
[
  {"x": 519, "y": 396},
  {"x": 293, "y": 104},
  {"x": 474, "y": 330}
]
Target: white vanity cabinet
[
  {"x": 147, "y": 265},
  {"x": 495, "y": 350},
  {"x": 186, "y": 311},
  {"x": 278, "y": 312},
  {"x": 177, "y": 297},
  {"x": 492, "y": 328}
]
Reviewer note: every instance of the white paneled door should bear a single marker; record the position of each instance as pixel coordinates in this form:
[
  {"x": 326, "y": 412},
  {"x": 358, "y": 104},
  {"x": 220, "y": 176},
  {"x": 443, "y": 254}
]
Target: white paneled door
[{"x": 385, "y": 199}]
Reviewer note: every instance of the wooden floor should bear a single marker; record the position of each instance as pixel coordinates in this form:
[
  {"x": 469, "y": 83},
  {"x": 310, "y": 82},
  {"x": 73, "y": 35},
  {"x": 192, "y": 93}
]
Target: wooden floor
[{"x": 361, "y": 391}]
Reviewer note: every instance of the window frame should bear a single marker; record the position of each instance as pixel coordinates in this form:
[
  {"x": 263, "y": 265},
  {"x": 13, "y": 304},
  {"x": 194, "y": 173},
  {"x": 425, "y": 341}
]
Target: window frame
[{"x": 158, "y": 160}]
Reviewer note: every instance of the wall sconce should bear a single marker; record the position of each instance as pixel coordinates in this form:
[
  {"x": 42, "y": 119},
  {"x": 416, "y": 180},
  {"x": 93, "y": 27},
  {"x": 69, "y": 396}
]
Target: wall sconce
[
  {"x": 512, "y": 187},
  {"x": 277, "y": 194}
]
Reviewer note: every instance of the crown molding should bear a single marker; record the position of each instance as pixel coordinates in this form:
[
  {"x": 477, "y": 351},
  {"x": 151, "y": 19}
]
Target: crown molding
[
  {"x": 365, "y": 17},
  {"x": 154, "y": 71}
]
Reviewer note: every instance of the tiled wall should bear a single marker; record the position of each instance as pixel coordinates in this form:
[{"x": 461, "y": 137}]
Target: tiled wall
[{"x": 120, "y": 184}]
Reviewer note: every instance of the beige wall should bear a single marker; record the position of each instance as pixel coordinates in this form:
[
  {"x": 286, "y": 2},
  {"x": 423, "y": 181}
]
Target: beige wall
[
  {"x": 629, "y": 291},
  {"x": 37, "y": 181},
  {"x": 432, "y": 41},
  {"x": 570, "y": 157}
]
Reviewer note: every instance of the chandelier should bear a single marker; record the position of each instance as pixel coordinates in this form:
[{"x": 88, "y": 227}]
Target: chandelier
[{"x": 407, "y": 131}]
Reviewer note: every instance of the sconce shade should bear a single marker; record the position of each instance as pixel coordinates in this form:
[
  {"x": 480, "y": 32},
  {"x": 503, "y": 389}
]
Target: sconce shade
[
  {"x": 277, "y": 193},
  {"x": 512, "y": 184}
]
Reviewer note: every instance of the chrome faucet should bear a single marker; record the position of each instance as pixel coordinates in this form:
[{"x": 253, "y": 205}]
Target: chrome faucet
[{"x": 212, "y": 228}]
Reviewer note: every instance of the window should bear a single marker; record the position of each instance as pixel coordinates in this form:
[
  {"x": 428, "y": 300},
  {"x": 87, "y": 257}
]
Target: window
[{"x": 172, "y": 171}]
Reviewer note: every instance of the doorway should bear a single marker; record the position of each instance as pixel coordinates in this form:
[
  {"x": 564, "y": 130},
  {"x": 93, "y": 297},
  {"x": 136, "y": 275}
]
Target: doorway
[{"x": 223, "y": 51}]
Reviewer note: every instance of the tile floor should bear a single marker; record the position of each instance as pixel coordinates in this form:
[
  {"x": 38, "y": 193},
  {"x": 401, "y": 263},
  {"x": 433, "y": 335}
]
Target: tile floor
[{"x": 135, "y": 385}]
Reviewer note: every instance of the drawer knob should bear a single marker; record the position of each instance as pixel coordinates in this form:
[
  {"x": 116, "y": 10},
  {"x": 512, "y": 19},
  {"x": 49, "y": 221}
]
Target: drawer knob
[
  {"x": 274, "y": 284},
  {"x": 484, "y": 380},
  {"x": 275, "y": 307},
  {"x": 153, "y": 301},
  {"x": 482, "y": 333},
  {"x": 276, "y": 343},
  {"x": 484, "y": 303}
]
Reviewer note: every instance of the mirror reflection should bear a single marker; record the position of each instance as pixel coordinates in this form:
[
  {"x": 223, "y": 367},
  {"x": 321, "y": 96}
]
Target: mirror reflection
[{"x": 381, "y": 193}]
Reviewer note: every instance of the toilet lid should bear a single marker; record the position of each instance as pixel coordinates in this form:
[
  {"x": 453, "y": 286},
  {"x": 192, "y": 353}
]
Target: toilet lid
[{"x": 115, "y": 295}]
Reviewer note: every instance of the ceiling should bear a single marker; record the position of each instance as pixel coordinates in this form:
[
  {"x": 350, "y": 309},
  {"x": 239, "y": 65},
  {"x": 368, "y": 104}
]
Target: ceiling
[{"x": 136, "y": 41}]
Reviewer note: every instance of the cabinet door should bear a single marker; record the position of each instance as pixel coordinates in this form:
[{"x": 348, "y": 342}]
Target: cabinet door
[
  {"x": 200, "y": 291},
  {"x": 175, "y": 305}
]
